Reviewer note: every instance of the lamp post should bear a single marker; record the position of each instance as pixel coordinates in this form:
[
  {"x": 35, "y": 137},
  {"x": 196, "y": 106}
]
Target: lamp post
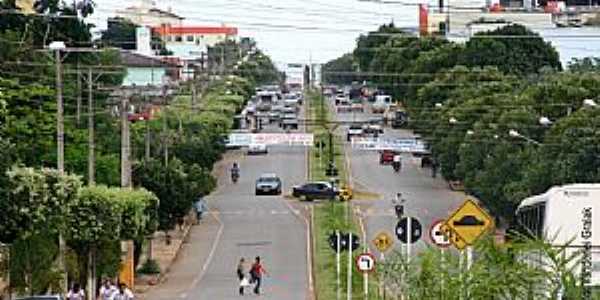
[
  {"x": 58, "y": 47},
  {"x": 514, "y": 133}
]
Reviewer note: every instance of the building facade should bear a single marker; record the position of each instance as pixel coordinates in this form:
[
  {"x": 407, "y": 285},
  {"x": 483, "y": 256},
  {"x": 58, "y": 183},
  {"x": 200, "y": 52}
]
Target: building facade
[{"x": 147, "y": 14}]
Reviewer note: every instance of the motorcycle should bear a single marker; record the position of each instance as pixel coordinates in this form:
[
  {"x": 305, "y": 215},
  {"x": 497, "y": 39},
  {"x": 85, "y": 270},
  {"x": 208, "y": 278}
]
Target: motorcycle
[
  {"x": 397, "y": 166},
  {"x": 234, "y": 177}
]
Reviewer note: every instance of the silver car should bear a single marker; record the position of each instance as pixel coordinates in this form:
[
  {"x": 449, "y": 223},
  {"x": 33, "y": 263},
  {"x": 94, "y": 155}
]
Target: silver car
[{"x": 268, "y": 184}]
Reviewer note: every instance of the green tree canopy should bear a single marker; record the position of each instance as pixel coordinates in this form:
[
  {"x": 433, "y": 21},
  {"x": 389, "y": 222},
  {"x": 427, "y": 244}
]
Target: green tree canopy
[{"x": 514, "y": 49}]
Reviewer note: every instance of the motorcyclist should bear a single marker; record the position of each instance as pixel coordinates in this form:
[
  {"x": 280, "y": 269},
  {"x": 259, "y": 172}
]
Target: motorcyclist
[
  {"x": 235, "y": 171},
  {"x": 397, "y": 162},
  {"x": 399, "y": 205}
]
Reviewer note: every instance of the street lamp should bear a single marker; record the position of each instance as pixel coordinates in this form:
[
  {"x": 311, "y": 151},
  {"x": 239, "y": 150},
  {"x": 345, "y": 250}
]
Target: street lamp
[
  {"x": 516, "y": 134},
  {"x": 589, "y": 103},
  {"x": 544, "y": 121},
  {"x": 453, "y": 120},
  {"x": 470, "y": 132},
  {"x": 439, "y": 105}
]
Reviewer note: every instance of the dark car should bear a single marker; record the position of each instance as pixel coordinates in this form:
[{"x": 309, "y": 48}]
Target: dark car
[
  {"x": 315, "y": 190},
  {"x": 268, "y": 184}
]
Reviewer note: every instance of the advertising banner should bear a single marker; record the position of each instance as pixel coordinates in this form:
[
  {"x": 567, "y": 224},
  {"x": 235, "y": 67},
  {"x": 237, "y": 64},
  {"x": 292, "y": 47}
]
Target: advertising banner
[{"x": 289, "y": 139}]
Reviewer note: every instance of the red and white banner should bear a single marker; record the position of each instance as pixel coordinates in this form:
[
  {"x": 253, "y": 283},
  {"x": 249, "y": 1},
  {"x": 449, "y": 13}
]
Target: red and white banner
[{"x": 289, "y": 139}]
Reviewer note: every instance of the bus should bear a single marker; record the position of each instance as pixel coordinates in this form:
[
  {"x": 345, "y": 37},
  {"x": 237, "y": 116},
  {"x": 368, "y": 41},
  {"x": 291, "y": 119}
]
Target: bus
[{"x": 569, "y": 215}]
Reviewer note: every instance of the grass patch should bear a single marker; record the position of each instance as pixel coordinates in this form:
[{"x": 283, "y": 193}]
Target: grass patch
[{"x": 332, "y": 216}]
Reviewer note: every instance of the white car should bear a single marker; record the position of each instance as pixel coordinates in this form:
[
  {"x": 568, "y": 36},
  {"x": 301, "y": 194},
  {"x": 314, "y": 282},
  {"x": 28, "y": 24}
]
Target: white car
[{"x": 254, "y": 149}]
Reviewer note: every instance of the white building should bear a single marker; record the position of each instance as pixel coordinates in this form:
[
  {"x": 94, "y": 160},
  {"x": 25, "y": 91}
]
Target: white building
[{"x": 147, "y": 14}]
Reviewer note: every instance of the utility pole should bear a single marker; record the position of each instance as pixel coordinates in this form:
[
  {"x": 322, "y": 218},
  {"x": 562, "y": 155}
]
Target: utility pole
[
  {"x": 125, "y": 144},
  {"x": 79, "y": 87},
  {"x": 91, "y": 140},
  {"x": 165, "y": 130},
  {"x": 60, "y": 145},
  {"x": 194, "y": 93}
]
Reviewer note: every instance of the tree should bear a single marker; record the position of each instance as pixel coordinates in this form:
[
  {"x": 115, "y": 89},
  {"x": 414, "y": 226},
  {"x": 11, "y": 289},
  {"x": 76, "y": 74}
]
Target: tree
[
  {"x": 367, "y": 45},
  {"x": 175, "y": 189},
  {"x": 339, "y": 70},
  {"x": 514, "y": 49},
  {"x": 121, "y": 33}
]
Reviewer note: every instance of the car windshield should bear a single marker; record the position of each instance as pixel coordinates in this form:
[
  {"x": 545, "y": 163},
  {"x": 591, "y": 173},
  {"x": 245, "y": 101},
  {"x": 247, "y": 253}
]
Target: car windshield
[{"x": 267, "y": 179}]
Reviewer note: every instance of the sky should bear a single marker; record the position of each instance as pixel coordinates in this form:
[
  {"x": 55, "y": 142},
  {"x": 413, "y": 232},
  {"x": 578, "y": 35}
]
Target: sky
[
  {"x": 288, "y": 30},
  {"x": 316, "y": 31}
]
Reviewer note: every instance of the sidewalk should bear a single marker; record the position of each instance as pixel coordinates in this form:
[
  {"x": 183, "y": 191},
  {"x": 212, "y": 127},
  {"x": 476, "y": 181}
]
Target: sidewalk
[{"x": 187, "y": 267}]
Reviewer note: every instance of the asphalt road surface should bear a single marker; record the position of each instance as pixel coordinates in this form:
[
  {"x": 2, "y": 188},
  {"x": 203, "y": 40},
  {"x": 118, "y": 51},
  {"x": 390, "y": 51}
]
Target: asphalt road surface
[
  {"x": 262, "y": 226},
  {"x": 428, "y": 199}
]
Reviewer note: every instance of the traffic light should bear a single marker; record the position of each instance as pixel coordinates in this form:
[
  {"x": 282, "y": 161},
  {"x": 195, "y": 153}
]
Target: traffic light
[{"x": 344, "y": 241}]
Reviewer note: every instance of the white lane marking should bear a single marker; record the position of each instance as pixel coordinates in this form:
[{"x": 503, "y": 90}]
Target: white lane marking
[{"x": 212, "y": 251}]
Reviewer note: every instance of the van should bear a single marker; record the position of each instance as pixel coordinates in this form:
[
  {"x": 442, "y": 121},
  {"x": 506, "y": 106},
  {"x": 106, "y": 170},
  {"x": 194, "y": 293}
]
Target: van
[{"x": 382, "y": 102}]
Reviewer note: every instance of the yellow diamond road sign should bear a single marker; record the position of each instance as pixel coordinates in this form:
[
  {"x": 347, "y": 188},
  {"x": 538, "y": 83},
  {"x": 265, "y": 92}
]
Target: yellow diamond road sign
[
  {"x": 383, "y": 241},
  {"x": 467, "y": 224}
]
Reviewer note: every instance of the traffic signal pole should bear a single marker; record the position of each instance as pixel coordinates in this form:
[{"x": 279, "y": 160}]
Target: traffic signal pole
[
  {"x": 338, "y": 264},
  {"x": 349, "y": 290}
]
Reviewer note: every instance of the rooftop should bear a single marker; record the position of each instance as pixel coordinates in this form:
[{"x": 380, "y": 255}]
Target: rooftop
[
  {"x": 168, "y": 30},
  {"x": 133, "y": 59}
]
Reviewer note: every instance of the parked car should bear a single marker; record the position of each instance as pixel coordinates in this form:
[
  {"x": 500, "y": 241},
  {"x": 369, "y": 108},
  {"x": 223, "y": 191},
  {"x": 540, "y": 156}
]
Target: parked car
[
  {"x": 354, "y": 130},
  {"x": 387, "y": 157},
  {"x": 257, "y": 149},
  {"x": 268, "y": 184},
  {"x": 315, "y": 190}
]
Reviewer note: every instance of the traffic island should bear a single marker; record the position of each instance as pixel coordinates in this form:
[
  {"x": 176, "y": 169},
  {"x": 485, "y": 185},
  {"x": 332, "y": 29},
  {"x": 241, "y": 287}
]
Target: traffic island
[{"x": 331, "y": 216}]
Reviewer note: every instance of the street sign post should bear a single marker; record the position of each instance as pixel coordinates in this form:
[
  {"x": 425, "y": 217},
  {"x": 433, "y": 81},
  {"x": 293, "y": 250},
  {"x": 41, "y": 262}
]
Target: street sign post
[
  {"x": 437, "y": 236},
  {"x": 365, "y": 263},
  {"x": 405, "y": 225},
  {"x": 467, "y": 224},
  {"x": 383, "y": 241}
]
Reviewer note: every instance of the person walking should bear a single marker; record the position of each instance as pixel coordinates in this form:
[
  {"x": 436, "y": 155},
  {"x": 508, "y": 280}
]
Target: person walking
[
  {"x": 76, "y": 293},
  {"x": 107, "y": 290},
  {"x": 241, "y": 274},
  {"x": 256, "y": 272},
  {"x": 200, "y": 207},
  {"x": 124, "y": 293}
]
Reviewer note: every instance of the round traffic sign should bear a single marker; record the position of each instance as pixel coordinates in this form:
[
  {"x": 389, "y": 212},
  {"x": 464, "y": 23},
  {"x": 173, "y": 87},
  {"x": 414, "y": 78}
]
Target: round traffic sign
[
  {"x": 415, "y": 230},
  {"x": 365, "y": 263},
  {"x": 437, "y": 236}
]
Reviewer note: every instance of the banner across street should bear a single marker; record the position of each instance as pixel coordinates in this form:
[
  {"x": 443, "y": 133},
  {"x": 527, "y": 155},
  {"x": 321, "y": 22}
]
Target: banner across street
[
  {"x": 289, "y": 139},
  {"x": 411, "y": 145}
]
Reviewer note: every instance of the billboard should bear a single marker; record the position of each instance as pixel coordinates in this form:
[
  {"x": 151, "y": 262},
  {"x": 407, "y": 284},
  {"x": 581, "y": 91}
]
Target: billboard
[
  {"x": 288, "y": 139},
  {"x": 408, "y": 145}
]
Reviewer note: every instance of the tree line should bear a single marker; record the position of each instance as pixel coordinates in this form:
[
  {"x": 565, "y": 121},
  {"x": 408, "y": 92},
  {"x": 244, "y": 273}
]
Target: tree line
[
  {"x": 37, "y": 205},
  {"x": 465, "y": 99}
]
